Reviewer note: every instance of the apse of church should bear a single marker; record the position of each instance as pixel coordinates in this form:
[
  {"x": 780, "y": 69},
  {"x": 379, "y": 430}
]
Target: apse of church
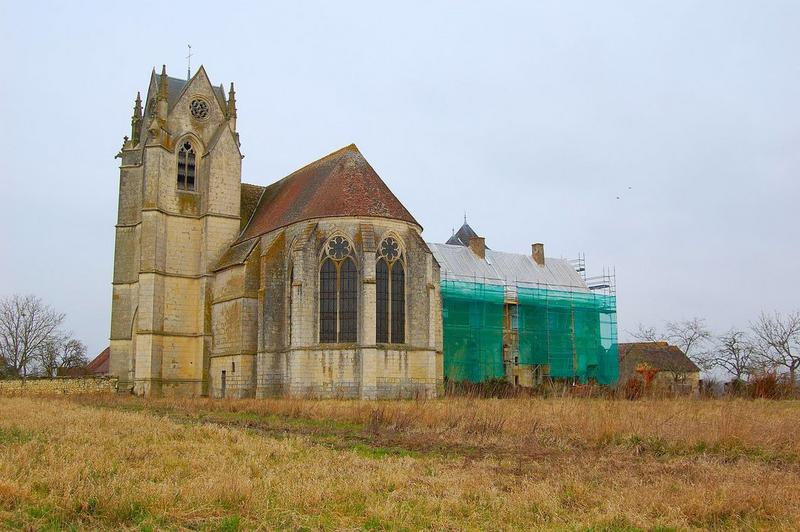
[{"x": 319, "y": 284}]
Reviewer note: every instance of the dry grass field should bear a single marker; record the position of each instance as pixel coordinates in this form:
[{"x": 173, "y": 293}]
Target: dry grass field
[{"x": 111, "y": 462}]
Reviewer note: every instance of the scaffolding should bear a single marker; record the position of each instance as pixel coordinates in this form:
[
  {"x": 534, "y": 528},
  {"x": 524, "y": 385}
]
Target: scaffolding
[
  {"x": 499, "y": 329},
  {"x": 472, "y": 314}
]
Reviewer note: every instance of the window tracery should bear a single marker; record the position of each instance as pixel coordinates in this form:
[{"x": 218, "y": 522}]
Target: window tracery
[
  {"x": 186, "y": 167},
  {"x": 338, "y": 293},
  {"x": 390, "y": 294}
]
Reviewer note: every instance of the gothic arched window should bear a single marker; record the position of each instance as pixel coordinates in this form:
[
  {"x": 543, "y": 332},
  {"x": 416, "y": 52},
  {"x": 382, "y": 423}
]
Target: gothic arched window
[
  {"x": 186, "y": 167},
  {"x": 338, "y": 293},
  {"x": 390, "y": 300}
]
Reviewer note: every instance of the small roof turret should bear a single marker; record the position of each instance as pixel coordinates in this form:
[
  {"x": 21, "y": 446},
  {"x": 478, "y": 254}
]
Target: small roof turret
[{"x": 463, "y": 236}]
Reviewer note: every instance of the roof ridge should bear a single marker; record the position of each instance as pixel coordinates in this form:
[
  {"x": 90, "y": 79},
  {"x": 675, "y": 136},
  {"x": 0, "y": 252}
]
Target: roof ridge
[
  {"x": 342, "y": 183},
  {"x": 349, "y": 147}
]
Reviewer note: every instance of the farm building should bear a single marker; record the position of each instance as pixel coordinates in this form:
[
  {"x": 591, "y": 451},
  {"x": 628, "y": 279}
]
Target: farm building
[{"x": 658, "y": 365}]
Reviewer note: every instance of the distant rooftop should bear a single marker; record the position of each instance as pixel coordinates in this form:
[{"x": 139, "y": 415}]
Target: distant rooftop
[
  {"x": 658, "y": 355},
  {"x": 460, "y": 263},
  {"x": 462, "y": 236}
]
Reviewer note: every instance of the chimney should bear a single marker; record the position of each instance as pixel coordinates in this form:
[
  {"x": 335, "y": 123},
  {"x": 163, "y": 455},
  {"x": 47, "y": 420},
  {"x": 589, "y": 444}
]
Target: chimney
[
  {"x": 478, "y": 246},
  {"x": 537, "y": 252}
]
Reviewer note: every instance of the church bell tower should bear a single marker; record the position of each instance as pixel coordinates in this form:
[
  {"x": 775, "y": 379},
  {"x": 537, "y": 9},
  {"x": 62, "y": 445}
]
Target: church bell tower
[{"x": 179, "y": 209}]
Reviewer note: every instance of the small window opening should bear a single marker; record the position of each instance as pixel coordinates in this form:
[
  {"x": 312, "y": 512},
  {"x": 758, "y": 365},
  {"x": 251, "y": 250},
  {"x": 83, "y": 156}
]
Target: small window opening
[
  {"x": 233, "y": 367},
  {"x": 186, "y": 167}
]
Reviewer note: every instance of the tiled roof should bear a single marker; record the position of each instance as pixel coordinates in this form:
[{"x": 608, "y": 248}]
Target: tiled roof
[
  {"x": 659, "y": 355},
  {"x": 249, "y": 201},
  {"x": 236, "y": 254},
  {"x": 340, "y": 184},
  {"x": 99, "y": 366}
]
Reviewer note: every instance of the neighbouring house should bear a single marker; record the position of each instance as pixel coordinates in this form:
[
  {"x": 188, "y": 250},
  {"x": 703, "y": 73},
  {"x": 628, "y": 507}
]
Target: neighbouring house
[
  {"x": 98, "y": 367},
  {"x": 659, "y": 366},
  {"x": 523, "y": 317}
]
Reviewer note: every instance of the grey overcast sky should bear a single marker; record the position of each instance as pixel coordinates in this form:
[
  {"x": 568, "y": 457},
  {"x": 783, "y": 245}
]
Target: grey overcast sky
[{"x": 531, "y": 116}]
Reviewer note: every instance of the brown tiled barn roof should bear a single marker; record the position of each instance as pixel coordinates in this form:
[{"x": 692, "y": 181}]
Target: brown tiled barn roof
[
  {"x": 99, "y": 366},
  {"x": 659, "y": 355},
  {"x": 340, "y": 184}
]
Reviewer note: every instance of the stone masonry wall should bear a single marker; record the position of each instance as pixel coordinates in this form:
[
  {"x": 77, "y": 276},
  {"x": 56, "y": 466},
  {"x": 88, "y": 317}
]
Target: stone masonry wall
[{"x": 58, "y": 386}]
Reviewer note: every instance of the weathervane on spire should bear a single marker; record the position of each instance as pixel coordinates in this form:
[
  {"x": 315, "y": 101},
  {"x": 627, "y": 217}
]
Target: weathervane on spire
[{"x": 189, "y": 63}]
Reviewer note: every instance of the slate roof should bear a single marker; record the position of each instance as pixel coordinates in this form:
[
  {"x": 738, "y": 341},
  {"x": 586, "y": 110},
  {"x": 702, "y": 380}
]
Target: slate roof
[
  {"x": 659, "y": 355},
  {"x": 462, "y": 236},
  {"x": 460, "y": 263},
  {"x": 340, "y": 184},
  {"x": 175, "y": 87}
]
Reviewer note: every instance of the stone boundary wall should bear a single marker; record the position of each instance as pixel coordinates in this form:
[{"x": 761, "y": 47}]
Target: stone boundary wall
[{"x": 58, "y": 386}]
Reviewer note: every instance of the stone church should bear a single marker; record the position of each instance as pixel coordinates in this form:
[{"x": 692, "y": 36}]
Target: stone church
[{"x": 319, "y": 284}]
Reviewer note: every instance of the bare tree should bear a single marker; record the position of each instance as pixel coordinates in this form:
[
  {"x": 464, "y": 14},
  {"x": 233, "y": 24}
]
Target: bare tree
[
  {"x": 73, "y": 354},
  {"x": 62, "y": 351},
  {"x": 26, "y": 326},
  {"x": 733, "y": 353},
  {"x": 691, "y": 336},
  {"x": 778, "y": 338},
  {"x": 647, "y": 334}
]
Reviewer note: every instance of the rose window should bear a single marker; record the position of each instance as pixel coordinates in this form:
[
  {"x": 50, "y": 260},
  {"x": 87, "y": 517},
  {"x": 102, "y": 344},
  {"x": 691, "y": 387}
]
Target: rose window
[
  {"x": 199, "y": 109},
  {"x": 390, "y": 249},
  {"x": 338, "y": 248}
]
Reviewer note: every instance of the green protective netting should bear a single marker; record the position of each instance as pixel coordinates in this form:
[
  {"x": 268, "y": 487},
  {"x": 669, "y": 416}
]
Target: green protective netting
[
  {"x": 571, "y": 334},
  {"x": 472, "y": 315},
  {"x": 574, "y": 333}
]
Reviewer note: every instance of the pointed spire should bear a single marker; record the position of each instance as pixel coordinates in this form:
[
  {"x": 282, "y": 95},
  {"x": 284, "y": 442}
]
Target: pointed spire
[
  {"x": 137, "y": 107},
  {"x": 162, "y": 83},
  {"x": 136, "y": 119},
  {"x": 232, "y": 102}
]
